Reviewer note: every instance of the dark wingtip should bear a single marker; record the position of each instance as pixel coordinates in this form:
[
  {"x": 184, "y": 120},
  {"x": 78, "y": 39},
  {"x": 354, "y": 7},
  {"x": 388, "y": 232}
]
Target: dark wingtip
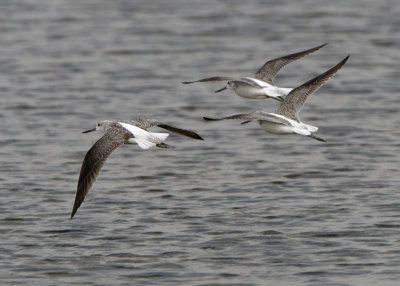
[
  {"x": 212, "y": 119},
  {"x": 76, "y": 206},
  {"x": 196, "y": 136},
  {"x": 187, "y": 82},
  {"x": 75, "y": 209},
  {"x": 339, "y": 65},
  {"x": 192, "y": 135},
  {"x": 208, "y": 118},
  {"x": 187, "y": 133},
  {"x": 73, "y": 213}
]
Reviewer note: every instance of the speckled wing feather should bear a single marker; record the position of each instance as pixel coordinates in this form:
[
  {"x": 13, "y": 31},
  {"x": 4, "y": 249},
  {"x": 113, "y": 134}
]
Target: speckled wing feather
[
  {"x": 258, "y": 115},
  {"x": 271, "y": 68},
  {"x": 214, "y": 78},
  {"x": 143, "y": 123},
  {"x": 295, "y": 100},
  {"x": 94, "y": 161}
]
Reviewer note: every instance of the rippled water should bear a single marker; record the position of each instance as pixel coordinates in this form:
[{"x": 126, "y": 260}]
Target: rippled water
[{"x": 244, "y": 207}]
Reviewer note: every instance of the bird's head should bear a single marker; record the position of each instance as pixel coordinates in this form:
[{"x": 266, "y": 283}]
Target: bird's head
[{"x": 100, "y": 126}]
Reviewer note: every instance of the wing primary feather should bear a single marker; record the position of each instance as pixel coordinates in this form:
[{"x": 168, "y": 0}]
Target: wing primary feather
[
  {"x": 180, "y": 131},
  {"x": 92, "y": 164},
  {"x": 271, "y": 68},
  {"x": 214, "y": 78},
  {"x": 295, "y": 100}
]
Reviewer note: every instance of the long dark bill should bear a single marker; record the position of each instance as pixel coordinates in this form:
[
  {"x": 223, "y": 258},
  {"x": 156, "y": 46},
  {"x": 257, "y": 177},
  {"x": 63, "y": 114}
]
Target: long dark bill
[
  {"x": 221, "y": 89},
  {"x": 90, "y": 130}
]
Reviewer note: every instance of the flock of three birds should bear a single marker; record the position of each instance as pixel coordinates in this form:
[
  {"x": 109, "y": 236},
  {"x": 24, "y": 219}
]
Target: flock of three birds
[{"x": 285, "y": 120}]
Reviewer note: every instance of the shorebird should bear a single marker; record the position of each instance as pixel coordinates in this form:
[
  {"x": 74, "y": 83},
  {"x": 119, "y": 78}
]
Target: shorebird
[
  {"x": 117, "y": 133},
  {"x": 286, "y": 120},
  {"x": 261, "y": 85}
]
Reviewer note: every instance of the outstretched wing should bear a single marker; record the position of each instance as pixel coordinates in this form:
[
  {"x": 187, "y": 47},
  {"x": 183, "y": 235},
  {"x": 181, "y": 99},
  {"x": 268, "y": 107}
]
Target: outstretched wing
[
  {"x": 184, "y": 132},
  {"x": 271, "y": 68},
  {"x": 295, "y": 100},
  {"x": 145, "y": 123},
  {"x": 258, "y": 115},
  {"x": 214, "y": 78},
  {"x": 94, "y": 161}
]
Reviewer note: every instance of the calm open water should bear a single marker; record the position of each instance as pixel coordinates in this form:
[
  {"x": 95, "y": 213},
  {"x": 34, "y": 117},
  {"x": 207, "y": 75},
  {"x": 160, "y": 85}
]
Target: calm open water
[{"x": 244, "y": 207}]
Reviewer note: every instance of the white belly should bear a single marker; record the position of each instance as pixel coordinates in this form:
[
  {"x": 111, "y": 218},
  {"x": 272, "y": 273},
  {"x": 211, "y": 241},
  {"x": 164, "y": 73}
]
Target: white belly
[
  {"x": 274, "y": 91},
  {"x": 293, "y": 127},
  {"x": 276, "y": 128},
  {"x": 268, "y": 90},
  {"x": 248, "y": 91}
]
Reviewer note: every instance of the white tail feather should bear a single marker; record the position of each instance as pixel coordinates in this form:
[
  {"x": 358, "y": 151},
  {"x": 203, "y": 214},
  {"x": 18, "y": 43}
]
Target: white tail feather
[
  {"x": 144, "y": 144},
  {"x": 312, "y": 128},
  {"x": 301, "y": 131}
]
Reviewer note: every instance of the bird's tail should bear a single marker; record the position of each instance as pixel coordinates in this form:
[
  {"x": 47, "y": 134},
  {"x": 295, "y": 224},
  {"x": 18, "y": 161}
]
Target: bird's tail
[
  {"x": 151, "y": 139},
  {"x": 143, "y": 143}
]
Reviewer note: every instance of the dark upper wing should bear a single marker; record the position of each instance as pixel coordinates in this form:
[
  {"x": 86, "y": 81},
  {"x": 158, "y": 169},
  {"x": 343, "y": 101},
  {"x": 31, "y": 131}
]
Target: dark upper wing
[
  {"x": 294, "y": 101},
  {"x": 271, "y": 68},
  {"x": 94, "y": 161},
  {"x": 184, "y": 132},
  {"x": 215, "y": 78},
  {"x": 143, "y": 123}
]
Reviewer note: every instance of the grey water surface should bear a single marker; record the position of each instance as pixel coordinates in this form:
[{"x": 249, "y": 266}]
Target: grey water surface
[{"x": 243, "y": 207}]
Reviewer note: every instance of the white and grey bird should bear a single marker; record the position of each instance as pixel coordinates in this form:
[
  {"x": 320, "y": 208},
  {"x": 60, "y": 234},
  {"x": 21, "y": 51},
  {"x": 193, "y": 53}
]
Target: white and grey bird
[
  {"x": 261, "y": 85},
  {"x": 117, "y": 133},
  {"x": 286, "y": 120}
]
